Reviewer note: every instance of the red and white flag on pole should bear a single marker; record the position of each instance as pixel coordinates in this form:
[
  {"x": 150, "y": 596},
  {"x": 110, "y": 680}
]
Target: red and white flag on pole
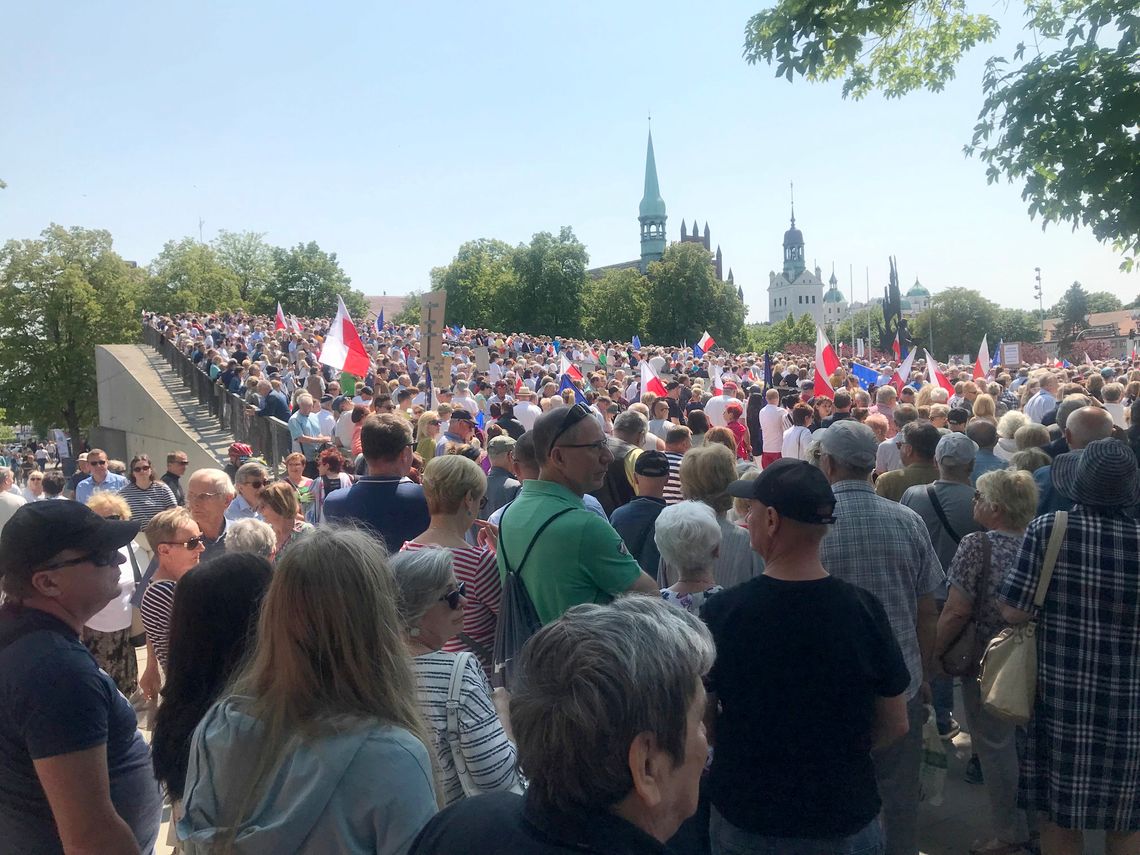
[
  {"x": 568, "y": 367},
  {"x": 982, "y": 363},
  {"x": 707, "y": 342},
  {"x": 936, "y": 376},
  {"x": 902, "y": 374},
  {"x": 279, "y": 323},
  {"x": 343, "y": 349},
  {"x": 896, "y": 347},
  {"x": 650, "y": 382},
  {"x": 715, "y": 381},
  {"x": 296, "y": 324},
  {"x": 1088, "y": 359},
  {"x": 826, "y": 364}
]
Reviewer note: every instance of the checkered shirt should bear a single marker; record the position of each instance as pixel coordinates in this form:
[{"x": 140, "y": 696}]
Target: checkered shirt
[
  {"x": 884, "y": 548},
  {"x": 1082, "y": 763}
]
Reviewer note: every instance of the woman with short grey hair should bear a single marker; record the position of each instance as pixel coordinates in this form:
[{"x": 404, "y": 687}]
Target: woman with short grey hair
[
  {"x": 250, "y": 535},
  {"x": 688, "y": 537},
  {"x": 474, "y": 750},
  {"x": 608, "y": 712}
]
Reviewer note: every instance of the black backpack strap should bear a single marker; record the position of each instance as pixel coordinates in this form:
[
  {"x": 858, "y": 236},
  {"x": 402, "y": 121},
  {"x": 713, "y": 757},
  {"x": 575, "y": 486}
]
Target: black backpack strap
[
  {"x": 933, "y": 494},
  {"x": 530, "y": 546}
]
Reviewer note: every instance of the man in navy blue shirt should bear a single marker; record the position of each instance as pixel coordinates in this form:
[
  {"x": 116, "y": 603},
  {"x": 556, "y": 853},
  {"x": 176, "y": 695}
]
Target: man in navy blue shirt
[
  {"x": 385, "y": 499},
  {"x": 273, "y": 401},
  {"x": 75, "y": 773},
  {"x": 635, "y": 521}
]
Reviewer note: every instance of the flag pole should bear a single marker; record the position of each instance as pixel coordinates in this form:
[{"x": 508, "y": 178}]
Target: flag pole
[{"x": 868, "y": 271}]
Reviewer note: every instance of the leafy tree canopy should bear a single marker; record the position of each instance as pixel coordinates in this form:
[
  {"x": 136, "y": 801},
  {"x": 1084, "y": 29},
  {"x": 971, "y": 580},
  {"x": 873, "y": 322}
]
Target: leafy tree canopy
[
  {"x": 307, "y": 280},
  {"x": 616, "y": 305},
  {"x": 249, "y": 258},
  {"x": 687, "y": 298},
  {"x": 1061, "y": 122},
  {"x": 188, "y": 276},
  {"x": 546, "y": 296},
  {"x": 477, "y": 274},
  {"x": 60, "y": 296}
]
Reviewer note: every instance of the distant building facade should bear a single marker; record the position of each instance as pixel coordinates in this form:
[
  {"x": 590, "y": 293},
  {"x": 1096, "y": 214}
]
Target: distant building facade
[{"x": 795, "y": 290}]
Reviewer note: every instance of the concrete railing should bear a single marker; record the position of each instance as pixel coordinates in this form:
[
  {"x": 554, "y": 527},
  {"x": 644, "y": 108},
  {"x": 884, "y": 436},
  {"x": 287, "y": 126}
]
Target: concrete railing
[{"x": 268, "y": 437}]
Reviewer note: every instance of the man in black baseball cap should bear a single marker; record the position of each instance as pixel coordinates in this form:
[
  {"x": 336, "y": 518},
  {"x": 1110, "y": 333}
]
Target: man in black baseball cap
[
  {"x": 793, "y": 489},
  {"x": 75, "y": 772}
]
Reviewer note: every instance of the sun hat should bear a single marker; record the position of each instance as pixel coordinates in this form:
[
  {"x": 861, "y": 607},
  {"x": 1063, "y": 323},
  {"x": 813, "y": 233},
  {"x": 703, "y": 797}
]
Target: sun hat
[{"x": 1102, "y": 475}]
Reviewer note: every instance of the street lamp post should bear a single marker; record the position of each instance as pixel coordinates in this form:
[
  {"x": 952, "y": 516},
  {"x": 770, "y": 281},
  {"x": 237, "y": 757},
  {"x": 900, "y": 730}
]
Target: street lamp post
[{"x": 1040, "y": 301}]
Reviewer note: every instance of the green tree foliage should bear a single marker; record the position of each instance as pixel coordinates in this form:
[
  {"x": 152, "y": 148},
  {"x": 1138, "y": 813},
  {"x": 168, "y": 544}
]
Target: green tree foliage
[
  {"x": 778, "y": 336},
  {"x": 961, "y": 316},
  {"x": 480, "y": 271},
  {"x": 855, "y": 326},
  {"x": 1016, "y": 325},
  {"x": 60, "y": 296},
  {"x": 687, "y": 299},
  {"x": 249, "y": 258},
  {"x": 546, "y": 296},
  {"x": 616, "y": 305},
  {"x": 410, "y": 313},
  {"x": 1062, "y": 122},
  {"x": 307, "y": 280},
  {"x": 1103, "y": 301},
  {"x": 188, "y": 276},
  {"x": 1072, "y": 312}
]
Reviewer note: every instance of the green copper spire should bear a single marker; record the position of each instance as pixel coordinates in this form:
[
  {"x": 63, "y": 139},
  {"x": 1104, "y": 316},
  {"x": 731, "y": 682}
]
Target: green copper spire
[{"x": 651, "y": 214}]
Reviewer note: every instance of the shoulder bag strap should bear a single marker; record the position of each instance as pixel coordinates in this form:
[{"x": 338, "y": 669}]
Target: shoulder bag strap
[
  {"x": 1060, "y": 523},
  {"x": 454, "y": 690},
  {"x": 933, "y": 494},
  {"x": 530, "y": 546},
  {"x": 134, "y": 563}
]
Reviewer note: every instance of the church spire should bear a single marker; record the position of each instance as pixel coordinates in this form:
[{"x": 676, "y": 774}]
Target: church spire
[
  {"x": 651, "y": 213},
  {"x": 793, "y": 245}
]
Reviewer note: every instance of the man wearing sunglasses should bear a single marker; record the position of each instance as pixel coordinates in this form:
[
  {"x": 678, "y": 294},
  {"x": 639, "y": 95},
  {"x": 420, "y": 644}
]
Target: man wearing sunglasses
[
  {"x": 250, "y": 479},
  {"x": 100, "y": 478},
  {"x": 75, "y": 772},
  {"x": 564, "y": 553}
]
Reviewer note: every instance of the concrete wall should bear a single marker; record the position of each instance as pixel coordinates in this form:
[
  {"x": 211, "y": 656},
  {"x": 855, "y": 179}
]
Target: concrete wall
[{"x": 127, "y": 403}]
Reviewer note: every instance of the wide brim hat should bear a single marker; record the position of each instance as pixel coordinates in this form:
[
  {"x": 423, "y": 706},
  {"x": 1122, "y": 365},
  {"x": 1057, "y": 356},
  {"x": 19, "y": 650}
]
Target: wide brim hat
[{"x": 1103, "y": 474}]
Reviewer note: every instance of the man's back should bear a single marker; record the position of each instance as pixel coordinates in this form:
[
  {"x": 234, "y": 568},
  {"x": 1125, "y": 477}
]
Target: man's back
[
  {"x": 394, "y": 508},
  {"x": 577, "y": 558},
  {"x": 891, "y": 485},
  {"x": 636, "y": 523},
  {"x": 957, "y": 501},
  {"x": 714, "y": 409},
  {"x": 773, "y": 422},
  {"x": 884, "y": 548}
]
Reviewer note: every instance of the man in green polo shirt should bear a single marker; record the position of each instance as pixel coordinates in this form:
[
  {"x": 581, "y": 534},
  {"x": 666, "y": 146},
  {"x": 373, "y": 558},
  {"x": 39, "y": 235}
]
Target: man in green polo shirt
[{"x": 577, "y": 557}]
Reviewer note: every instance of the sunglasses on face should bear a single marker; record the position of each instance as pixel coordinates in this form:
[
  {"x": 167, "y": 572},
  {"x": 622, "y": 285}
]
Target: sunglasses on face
[
  {"x": 192, "y": 543},
  {"x": 101, "y": 558},
  {"x": 141, "y": 469},
  {"x": 452, "y": 597},
  {"x": 96, "y": 462},
  {"x": 257, "y": 485}
]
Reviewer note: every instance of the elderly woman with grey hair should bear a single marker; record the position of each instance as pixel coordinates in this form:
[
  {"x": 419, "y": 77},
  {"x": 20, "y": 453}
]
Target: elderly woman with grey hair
[
  {"x": 688, "y": 537},
  {"x": 608, "y": 715},
  {"x": 249, "y": 480},
  {"x": 473, "y": 747},
  {"x": 252, "y": 535}
]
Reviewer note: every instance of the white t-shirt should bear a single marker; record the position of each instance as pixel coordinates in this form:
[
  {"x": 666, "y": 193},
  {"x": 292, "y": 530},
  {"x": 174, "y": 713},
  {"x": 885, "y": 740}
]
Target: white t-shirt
[
  {"x": 343, "y": 430},
  {"x": 773, "y": 423},
  {"x": 116, "y": 615},
  {"x": 714, "y": 409},
  {"x": 796, "y": 442},
  {"x": 526, "y": 413}
]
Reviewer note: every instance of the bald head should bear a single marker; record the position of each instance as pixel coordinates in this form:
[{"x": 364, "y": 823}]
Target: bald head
[{"x": 1087, "y": 425}]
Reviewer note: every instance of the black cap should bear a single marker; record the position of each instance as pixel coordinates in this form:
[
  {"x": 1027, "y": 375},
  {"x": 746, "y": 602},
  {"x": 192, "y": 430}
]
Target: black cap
[
  {"x": 38, "y": 531},
  {"x": 461, "y": 416},
  {"x": 651, "y": 464},
  {"x": 958, "y": 416},
  {"x": 794, "y": 488}
]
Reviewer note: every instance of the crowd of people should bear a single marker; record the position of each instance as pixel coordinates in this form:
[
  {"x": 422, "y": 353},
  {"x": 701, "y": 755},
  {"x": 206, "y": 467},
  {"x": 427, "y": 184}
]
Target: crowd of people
[{"x": 526, "y": 611}]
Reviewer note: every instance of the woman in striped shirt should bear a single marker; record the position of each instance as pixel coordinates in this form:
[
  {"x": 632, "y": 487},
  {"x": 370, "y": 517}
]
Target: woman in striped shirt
[
  {"x": 454, "y": 487},
  {"x": 431, "y": 606},
  {"x": 145, "y": 494}
]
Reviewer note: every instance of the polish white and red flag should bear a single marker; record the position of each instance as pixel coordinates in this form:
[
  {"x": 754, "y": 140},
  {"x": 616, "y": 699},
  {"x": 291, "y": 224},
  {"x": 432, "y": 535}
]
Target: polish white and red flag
[
  {"x": 826, "y": 364},
  {"x": 650, "y": 382},
  {"x": 716, "y": 383},
  {"x": 279, "y": 323},
  {"x": 896, "y": 348},
  {"x": 936, "y": 376},
  {"x": 982, "y": 363},
  {"x": 902, "y": 374},
  {"x": 296, "y": 324},
  {"x": 343, "y": 349},
  {"x": 707, "y": 342},
  {"x": 570, "y": 369}
]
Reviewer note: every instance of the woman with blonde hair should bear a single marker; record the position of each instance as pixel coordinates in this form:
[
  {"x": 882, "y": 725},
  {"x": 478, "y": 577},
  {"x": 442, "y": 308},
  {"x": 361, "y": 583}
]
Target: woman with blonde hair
[
  {"x": 427, "y": 434},
  {"x": 705, "y": 474},
  {"x": 431, "y": 604},
  {"x": 455, "y": 488},
  {"x": 279, "y": 507},
  {"x": 1031, "y": 435},
  {"x": 318, "y": 745},
  {"x": 985, "y": 408}
]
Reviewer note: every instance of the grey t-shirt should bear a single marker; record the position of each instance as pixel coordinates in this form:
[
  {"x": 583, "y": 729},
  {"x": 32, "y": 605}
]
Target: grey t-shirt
[{"x": 957, "y": 502}]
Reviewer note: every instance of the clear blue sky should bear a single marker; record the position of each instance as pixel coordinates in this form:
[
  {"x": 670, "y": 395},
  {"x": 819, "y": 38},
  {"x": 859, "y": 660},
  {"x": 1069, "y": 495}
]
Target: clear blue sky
[{"x": 391, "y": 133}]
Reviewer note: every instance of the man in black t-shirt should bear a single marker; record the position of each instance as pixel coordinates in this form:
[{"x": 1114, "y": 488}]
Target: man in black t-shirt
[
  {"x": 808, "y": 679},
  {"x": 75, "y": 772}
]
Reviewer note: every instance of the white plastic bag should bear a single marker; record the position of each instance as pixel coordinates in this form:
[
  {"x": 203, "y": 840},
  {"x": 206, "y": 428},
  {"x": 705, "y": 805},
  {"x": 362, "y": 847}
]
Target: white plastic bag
[{"x": 932, "y": 773}]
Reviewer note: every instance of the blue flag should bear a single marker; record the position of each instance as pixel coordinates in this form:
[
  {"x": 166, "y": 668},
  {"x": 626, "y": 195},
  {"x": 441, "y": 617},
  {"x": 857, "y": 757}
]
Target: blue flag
[
  {"x": 697, "y": 352},
  {"x": 996, "y": 360},
  {"x": 866, "y": 376},
  {"x": 636, "y": 343},
  {"x": 767, "y": 370},
  {"x": 557, "y": 346},
  {"x": 380, "y": 322},
  {"x": 479, "y": 419},
  {"x": 567, "y": 383}
]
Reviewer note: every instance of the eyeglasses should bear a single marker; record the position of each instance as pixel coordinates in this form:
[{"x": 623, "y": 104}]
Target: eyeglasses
[
  {"x": 257, "y": 485},
  {"x": 102, "y": 558},
  {"x": 96, "y": 462},
  {"x": 140, "y": 469},
  {"x": 452, "y": 597},
  {"x": 192, "y": 543},
  {"x": 574, "y": 415},
  {"x": 201, "y": 497}
]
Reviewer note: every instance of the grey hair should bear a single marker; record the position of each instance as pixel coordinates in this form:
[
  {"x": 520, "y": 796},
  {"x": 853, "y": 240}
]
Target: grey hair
[
  {"x": 688, "y": 536},
  {"x": 251, "y": 468},
  {"x": 6, "y": 473},
  {"x": 421, "y": 575},
  {"x": 218, "y": 479},
  {"x": 590, "y": 682},
  {"x": 250, "y": 535},
  {"x": 631, "y": 423}
]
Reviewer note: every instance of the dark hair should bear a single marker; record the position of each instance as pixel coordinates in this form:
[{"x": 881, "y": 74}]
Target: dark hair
[
  {"x": 359, "y": 411},
  {"x": 842, "y": 399},
  {"x": 384, "y": 436},
  {"x": 698, "y": 421},
  {"x": 140, "y": 458},
  {"x": 53, "y": 482},
  {"x": 802, "y": 414},
  {"x": 923, "y": 438},
  {"x": 524, "y": 451},
  {"x": 333, "y": 459},
  {"x": 211, "y": 627}
]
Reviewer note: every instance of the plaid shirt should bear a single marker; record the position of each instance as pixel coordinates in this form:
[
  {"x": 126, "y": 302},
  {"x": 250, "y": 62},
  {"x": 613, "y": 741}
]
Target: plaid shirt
[{"x": 884, "y": 548}]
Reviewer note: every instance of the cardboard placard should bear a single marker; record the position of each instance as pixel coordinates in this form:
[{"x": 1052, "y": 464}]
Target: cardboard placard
[{"x": 432, "y": 307}]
